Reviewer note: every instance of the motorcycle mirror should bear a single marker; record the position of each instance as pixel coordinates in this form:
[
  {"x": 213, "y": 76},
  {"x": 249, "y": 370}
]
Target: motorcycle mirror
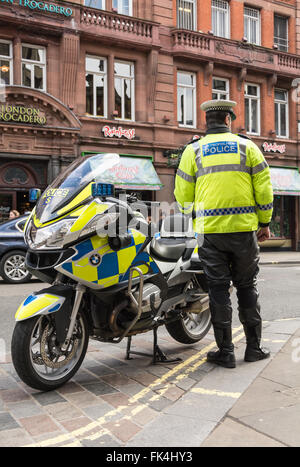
[{"x": 34, "y": 194}]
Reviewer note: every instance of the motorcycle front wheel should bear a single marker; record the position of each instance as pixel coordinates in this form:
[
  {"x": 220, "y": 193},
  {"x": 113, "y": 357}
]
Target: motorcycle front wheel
[{"x": 37, "y": 356}]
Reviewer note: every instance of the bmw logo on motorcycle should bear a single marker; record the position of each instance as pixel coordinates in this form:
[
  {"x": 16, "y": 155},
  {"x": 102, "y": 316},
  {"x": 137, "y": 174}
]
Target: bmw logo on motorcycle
[{"x": 95, "y": 260}]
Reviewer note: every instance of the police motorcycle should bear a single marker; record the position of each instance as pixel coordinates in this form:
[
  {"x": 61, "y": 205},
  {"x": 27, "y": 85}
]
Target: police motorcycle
[{"x": 109, "y": 277}]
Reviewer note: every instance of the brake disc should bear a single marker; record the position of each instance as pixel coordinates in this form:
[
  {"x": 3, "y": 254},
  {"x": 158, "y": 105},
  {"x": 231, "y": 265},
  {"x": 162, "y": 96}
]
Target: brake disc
[{"x": 45, "y": 350}]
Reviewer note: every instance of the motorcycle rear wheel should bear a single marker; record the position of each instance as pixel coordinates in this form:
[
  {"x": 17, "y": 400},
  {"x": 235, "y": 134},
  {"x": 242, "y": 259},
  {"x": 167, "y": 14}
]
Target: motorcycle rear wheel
[
  {"x": 190, "y": 328},
  {"x": 37, "y": 357}
]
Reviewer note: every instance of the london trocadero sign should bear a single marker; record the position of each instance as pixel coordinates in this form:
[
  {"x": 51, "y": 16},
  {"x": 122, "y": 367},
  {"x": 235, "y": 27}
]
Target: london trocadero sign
[
  {"x": 40, "y": 6},
  {"x": 20, "y": 114}
]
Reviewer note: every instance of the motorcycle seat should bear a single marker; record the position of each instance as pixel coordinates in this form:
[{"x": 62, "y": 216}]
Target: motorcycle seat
[{"x": 168, "y": 249}]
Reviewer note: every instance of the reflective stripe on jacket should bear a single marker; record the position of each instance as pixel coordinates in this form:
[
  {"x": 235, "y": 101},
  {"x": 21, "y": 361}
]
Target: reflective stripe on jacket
[{"x": 225, "y": 180}]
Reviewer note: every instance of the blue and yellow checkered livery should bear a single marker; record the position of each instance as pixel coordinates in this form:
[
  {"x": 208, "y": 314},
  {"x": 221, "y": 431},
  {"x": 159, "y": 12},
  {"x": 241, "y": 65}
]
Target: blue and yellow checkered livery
[{"x": 96, "y": 265}]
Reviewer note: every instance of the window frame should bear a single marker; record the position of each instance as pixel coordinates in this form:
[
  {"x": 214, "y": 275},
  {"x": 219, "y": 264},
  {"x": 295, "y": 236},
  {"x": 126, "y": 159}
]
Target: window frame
[
  {"x": 132, "y": 79},
  {"x": 287, "y": 33},
  {"x": 9, "y": 59},
  {"x": 118, "y": 8},
  {"x": 91, "y": 6},
  {"x": 286, "y": 103},
  {"x": 194, "y": 7},
  {"x": 43, "y": 65},
  {"x": 105, "y": 96},
  {"x": 258, "y": 21},
  {"x": 194, "y": 88},
  {"x": 227, "y": 23},
  {"x": 216, "y": 91},
  {"x": 251, "y": 98}
]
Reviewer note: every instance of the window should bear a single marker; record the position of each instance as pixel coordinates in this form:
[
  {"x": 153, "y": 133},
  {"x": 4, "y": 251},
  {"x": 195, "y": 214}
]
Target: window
[
  {"x": 220, "y": 89},
  {"x": 124, "y": 90},
  {"x": 99, "y": 4},
  {"x": 252, "y": 25},
  {"x": 252, "y": 109},
  {"x": 282, "y": 219},
  {"x": 281, "y": 113},
  {"x": 123, "y": 7},
  {"x": 96, "y": 86},
  {"x": 281, "y": 32},
  {"x": 186, "y": 14},
  {"x": 34, "y": 67},
  {"x": 220, "y": 18},
  {"x": 186, "y": 99},
  {"x": 6, "y": 61}
]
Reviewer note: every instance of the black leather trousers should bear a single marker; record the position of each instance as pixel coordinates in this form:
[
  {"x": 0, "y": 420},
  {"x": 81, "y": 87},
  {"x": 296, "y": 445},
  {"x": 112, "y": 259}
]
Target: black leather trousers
[{"x": 232, "y": 257}]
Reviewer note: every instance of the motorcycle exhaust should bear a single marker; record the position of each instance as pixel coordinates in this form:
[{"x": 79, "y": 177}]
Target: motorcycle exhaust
[{"x": 198, "y": 307}]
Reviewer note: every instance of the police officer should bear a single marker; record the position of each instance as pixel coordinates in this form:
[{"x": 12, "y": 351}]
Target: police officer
[{"x": 224, "y": 180}]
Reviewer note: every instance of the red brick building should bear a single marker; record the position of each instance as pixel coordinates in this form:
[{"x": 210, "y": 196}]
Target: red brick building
[{"x": 128, "y": 76}]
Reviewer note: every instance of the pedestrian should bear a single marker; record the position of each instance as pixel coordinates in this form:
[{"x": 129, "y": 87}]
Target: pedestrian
[
  {"x": 14, "y": 214},
  {"x": 224, "y": 180}
]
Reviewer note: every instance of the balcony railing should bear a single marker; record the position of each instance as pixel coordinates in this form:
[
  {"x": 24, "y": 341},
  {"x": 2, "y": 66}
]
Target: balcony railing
[
  {"x": 288, "y": 61},
  {"x": 190, "y": 39},
  {"x": 195, "y": 44},
  {"x": 109, "y": 22}
]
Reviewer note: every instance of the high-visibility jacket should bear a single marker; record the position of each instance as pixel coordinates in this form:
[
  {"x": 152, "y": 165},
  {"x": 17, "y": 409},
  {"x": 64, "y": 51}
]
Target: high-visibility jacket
[{"x": 225, "y": 181}]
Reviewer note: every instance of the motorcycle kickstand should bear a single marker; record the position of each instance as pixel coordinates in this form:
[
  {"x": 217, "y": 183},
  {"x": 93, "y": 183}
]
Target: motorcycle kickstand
[{"x": 158, "y": 355}]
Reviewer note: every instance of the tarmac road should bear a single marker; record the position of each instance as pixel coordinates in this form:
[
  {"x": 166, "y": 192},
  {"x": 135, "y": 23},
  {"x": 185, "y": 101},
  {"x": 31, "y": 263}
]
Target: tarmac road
[{"x": 278, "y": 287}]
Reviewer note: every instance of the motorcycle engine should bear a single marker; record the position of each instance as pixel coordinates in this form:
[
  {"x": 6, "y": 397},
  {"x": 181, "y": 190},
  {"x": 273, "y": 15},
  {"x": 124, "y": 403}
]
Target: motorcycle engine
[{"x": 149, "y": 290}]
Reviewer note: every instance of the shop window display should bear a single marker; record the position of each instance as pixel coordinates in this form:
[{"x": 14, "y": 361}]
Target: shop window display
[{"x": 280, "y": 225}]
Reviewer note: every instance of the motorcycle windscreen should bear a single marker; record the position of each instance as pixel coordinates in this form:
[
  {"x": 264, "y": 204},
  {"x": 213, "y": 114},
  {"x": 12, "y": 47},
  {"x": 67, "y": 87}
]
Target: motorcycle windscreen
[{"x": 72, "y": 187}]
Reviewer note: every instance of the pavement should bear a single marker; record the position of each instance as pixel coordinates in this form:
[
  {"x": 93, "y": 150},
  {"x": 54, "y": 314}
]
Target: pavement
[
  {"x": 113, "y": 402},
  {"x": 268, "y": 257}
]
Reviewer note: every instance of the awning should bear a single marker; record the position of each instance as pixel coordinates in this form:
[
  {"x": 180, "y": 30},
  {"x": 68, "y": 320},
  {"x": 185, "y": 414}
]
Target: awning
[
  {"x": 135, "y": 173},
  {"x": 285, "y": 181}
]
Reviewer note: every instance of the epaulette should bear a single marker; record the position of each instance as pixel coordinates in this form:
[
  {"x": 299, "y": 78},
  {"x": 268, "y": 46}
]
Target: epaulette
[
  {"x": 194, "y": 140},
  {"x": 243, "y": 136}
]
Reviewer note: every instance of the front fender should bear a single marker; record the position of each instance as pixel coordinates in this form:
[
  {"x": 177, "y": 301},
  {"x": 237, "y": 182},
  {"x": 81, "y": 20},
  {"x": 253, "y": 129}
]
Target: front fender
[{"x": 39, "y": 303}]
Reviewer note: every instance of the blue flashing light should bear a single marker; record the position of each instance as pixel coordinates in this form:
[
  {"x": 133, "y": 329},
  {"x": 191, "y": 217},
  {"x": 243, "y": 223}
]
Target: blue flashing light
[{"x": 102, "y": 189}]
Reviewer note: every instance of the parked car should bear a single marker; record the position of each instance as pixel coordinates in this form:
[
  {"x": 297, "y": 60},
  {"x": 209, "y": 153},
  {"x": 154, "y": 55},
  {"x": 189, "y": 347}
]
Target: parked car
[{"x": 13, "y": 251}]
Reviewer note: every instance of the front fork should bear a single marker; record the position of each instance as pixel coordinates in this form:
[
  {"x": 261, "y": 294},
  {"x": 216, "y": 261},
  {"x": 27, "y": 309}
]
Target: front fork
[{"x": 80, "y": 289}]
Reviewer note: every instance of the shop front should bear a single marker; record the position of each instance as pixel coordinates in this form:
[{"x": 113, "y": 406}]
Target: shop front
[
  {"x": 38, "y": 135},
  {"x": 285, "y": 221}
]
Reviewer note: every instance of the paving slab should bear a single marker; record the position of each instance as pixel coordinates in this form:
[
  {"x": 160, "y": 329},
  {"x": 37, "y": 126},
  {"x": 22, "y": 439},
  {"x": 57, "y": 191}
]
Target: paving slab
[
  {"x": 171, "y": 431},
  {"x": 235, "y": 434},
  {"x": 281, "y": 424},
  {"x": 269, "y": 409}
]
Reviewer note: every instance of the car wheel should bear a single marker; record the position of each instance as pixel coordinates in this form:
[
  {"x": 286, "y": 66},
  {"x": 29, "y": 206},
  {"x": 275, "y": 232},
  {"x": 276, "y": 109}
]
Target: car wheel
[{"x": 13, "y": 269}]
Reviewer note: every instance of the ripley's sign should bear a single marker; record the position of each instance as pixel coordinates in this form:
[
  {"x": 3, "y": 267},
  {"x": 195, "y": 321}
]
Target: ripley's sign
[
  {"x": 274, "y": 147},
  {"x": 41, "y": 6},
  {"x": 118, "y": 132},
  {"x": 19, "y": 114}
]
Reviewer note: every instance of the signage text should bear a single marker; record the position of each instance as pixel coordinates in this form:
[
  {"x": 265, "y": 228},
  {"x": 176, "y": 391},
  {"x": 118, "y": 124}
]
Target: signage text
[
  {"x": 41, "y": 6},
  {"x": 19, "y": 114},
  {"x": 274, "y": 147},
  {"x": 118, "y": 132}
]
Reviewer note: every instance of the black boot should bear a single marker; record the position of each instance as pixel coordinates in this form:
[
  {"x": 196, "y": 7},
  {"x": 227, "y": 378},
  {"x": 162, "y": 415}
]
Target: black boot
[
  {"x": 252, "y": 324},
  {"x": 225, "y": 355},
  {"x": 253, "y": 351}
]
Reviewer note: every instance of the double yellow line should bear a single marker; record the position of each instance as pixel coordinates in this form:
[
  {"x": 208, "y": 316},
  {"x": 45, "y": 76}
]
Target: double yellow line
[{"x": 189, "y": 365}]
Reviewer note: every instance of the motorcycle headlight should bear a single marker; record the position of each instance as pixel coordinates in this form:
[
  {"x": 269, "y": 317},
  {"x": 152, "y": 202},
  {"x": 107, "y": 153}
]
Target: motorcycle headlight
[{"x": 49, "y": 237}]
